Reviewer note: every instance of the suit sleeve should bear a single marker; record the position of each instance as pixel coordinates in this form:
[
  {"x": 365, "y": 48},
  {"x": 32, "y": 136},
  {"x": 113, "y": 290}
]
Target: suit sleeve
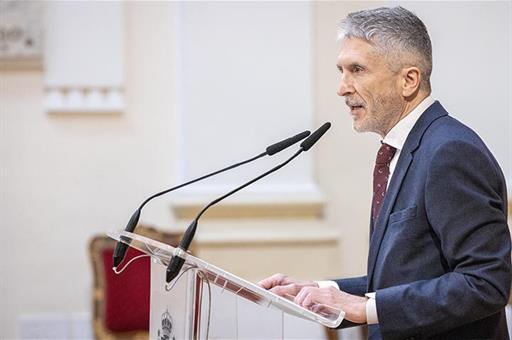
[
  {"x": 353, "y": 285},
  {"x": 465, "y": 203}
]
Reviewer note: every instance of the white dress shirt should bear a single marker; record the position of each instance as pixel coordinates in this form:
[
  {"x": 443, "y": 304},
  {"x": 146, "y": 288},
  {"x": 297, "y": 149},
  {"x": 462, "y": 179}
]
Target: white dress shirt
[{"x": 396, "y": 137}]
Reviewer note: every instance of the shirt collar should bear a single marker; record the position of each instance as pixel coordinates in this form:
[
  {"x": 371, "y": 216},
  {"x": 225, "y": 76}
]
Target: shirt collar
[{"x": 398, "y": 134}]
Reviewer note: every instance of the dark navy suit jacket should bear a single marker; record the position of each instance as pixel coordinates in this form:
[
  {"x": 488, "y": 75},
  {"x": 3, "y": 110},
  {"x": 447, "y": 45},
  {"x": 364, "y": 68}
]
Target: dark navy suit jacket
[{"x": 439, "y": 258}]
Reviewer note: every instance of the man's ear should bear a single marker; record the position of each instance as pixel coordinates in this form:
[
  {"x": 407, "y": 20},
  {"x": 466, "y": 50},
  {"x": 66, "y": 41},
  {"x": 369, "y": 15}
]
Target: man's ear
[{"x": 410, "y": 79}]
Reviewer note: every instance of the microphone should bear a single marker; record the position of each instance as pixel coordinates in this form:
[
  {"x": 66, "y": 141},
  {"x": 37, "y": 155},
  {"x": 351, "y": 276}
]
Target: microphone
[
  {"x": 122, "y": 247},
  {"x": 178, "y": 258},
  {"x": 311, "y": 140}
]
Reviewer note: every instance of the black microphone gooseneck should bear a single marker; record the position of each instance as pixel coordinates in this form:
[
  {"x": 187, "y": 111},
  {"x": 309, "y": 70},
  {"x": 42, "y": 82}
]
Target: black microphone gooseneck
[
  {"x": 122, "y": 247},
  {"x": 178, "y": 260}
]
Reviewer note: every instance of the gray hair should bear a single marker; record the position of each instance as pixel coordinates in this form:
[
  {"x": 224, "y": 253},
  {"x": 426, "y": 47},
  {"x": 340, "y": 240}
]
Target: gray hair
[{"x": 396, "y": 33}]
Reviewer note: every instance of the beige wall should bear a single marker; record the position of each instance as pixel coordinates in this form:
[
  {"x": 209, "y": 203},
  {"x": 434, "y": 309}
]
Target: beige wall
[
  {"x": 64, "y": 178},
  {"x": 67, "y": 177}
]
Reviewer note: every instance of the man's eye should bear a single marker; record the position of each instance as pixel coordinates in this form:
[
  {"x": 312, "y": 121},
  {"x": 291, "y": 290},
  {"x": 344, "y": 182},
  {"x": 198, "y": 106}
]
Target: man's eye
[{"x": 357, "y": 69}]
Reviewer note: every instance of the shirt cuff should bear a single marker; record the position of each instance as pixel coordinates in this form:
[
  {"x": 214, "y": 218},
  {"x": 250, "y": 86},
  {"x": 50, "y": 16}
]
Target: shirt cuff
[
  {"x": 371, "y": 309},
  {"x": 326, "y": 284}
]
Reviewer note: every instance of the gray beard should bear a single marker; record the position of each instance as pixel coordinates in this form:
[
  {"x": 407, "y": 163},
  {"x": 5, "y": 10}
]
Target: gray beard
[{"x": 383, "y": 117}]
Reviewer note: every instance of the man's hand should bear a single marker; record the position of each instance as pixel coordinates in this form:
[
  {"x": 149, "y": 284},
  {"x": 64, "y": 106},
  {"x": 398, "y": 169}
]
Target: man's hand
[
  {"x": 285, "y": 286},
  {"x": 353, "y": 306}
]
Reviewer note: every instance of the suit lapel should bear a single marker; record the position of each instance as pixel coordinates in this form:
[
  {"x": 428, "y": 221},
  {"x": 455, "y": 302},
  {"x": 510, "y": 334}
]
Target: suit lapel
[{"x": 406, "y": 156}]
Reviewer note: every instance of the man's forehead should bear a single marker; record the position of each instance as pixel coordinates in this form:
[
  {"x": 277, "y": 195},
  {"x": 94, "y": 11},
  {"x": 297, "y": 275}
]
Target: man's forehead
[{"x": 352, "y": 49}]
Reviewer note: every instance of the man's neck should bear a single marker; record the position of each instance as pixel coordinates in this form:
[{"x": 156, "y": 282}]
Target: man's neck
[{"x": 409, "y": 106}]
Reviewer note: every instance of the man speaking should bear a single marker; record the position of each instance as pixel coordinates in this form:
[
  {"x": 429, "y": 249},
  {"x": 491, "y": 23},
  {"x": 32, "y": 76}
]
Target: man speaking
[{"x": 439, "y": 255}]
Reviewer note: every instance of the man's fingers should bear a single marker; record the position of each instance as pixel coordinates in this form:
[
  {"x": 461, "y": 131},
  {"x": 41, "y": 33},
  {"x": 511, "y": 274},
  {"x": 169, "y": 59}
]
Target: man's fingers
[
  {"x": 309, "y": 300},
  {"x": 289, "y": 289},
  {"x": 266, "y": 283},
  {"x": 272, "y": 281},
  {"x": 303, "y": 293},
  {"x": 282, "y": 290},
  {"x": 308, "y": 297}
]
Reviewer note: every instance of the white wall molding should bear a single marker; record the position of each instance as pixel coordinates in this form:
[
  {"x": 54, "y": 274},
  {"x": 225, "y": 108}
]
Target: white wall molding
[
  {"x": 84, "y": 100},
  {"x": 241, "y": 89},
  {"x": 292, "y": 231},
  {"x": 256, "y": 249},
  {"x": 283, "y": 203},
  {"x": 84, "y": 57}
]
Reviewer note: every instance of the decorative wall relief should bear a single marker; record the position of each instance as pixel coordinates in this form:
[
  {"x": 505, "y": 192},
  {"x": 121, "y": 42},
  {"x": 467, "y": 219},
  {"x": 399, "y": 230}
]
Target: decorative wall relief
[{"x": 21, "y": 34}]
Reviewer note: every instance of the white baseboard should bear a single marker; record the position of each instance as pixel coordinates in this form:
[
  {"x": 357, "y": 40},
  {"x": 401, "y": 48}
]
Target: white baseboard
[{"x": 55, "y": 326}]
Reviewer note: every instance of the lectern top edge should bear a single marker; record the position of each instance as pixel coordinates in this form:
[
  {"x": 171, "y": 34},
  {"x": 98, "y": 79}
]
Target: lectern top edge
[{"x": 162, "y": 253}]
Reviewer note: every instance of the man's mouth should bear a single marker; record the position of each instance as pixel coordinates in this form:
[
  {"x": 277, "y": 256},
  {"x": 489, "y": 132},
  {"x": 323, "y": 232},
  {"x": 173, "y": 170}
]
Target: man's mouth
[{"x": 355, "y": 107}]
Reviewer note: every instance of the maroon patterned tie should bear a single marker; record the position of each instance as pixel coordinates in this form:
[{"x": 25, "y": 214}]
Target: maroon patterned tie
[{"x": 380, "y": 178}]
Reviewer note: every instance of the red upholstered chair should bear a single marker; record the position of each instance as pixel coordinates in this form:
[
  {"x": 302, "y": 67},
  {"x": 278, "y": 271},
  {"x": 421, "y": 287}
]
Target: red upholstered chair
[{"x": 121, "y": 302}]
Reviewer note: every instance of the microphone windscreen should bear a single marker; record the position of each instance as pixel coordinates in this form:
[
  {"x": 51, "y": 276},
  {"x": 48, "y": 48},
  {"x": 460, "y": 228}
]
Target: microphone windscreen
[
  {"x": 132, "y": 223},
  {"x": 315, "y": 136},
  {"x": 280, "y": 146}
]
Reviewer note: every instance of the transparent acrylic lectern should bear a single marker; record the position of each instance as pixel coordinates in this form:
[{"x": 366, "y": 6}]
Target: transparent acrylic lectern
[{"x": 206, "y": 302}]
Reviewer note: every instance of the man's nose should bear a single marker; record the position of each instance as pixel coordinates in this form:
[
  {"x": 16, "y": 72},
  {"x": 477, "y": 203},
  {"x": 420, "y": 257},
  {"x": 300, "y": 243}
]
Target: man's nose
[{"x": 346, "y": 87}]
